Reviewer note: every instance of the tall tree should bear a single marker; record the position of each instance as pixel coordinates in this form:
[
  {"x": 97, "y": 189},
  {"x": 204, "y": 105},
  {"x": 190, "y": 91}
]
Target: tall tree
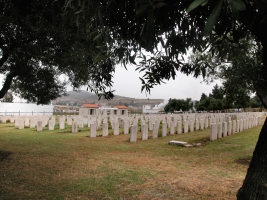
[
  {"x": 88, "y": 38},
  {"x": 203, "y": 97},
  {"x": 217, "y": 92},
  {"x": 178, "y": 105},
  {"x": 255, "y": 102},
  {"x": 38, "y": 44}
]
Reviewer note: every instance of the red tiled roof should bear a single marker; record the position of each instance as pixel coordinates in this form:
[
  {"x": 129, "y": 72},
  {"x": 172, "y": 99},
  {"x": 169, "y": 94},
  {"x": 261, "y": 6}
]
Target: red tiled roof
[
  {"x": 89, "y": 105},
  {"x": 121, "y": 107}
]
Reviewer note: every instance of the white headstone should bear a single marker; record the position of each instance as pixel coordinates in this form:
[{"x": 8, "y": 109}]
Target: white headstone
[
  {"x": 213, "y": 132},
  {"x": 126, "y": 127},
  {"x": 116, "y": 128},
  {"x": 185, "y": 126},
  {"x": 93, "y": 130},
  {"x": 74, "y": 128},
  {"x": 224, "y": 129},
  {"x": 234, "y": 127},
  {"x": 105, "y": 129},
  {"x": 206, "y": 123},
  {"x": 179, "y": 127},
  {"x": 51, "y": 125},
  {"x": 230, "y": 128},
  {"x": 27, "y": 122},
  {"x": 164, "y": 129},
  {"x": 201, "y": 124},
  {"x": 21, "y": 123},
  {"x": 155, "y": 131},
  {"x": 191, "y": 126},
  {"x": 16, "y": 122},
  {"x": 237, "y": 126},
  {"x": 172, "y": 128},
  {"x": 33, "y": 122},
  {"x": 61, "y": 123},
  {"x": 144, "y": 132},
  {"x": 220, "y": 130},
  {"x": 197, "y": 124},
  {"x": 39, "y": 125},
  {"x": 133, "y": 133}
]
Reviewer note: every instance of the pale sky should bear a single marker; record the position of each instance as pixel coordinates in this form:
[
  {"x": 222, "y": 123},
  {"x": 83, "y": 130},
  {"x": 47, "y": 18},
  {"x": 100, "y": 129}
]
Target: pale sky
[{"x": 128, "y": 84}]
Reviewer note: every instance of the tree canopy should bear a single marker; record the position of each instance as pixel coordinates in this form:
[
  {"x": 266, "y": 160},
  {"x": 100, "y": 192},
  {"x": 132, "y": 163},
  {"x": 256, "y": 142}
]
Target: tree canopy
[
  {"x": 84, "y": 40},
  {"x": 38, "y": 44},
  {"x": 167, "y": 30}
]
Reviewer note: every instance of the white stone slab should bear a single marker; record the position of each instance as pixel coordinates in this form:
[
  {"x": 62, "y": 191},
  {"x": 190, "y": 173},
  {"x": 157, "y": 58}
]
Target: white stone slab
[{"x": 177, "y": 143}]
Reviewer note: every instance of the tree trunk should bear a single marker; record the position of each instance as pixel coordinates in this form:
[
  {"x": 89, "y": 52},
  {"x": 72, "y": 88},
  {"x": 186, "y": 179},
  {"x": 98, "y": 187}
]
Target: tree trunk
[
  {"x": 255, "y": 183},
  {"x": 7, "y": 84}
]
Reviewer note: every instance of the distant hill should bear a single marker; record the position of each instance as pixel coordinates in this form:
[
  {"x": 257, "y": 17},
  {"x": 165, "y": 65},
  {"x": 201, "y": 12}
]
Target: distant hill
[
  {"x": 81, "y": 95},
  {"x": 78, "y": 98}
]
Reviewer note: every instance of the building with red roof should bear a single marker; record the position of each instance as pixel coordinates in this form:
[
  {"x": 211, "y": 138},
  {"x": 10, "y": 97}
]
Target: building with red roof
[
  {"x": 121, "y": 110},
  {"x": 89, "y": 109}
]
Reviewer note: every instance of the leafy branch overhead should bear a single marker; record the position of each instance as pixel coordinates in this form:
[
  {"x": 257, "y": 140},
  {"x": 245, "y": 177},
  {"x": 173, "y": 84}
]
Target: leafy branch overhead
[
  {"x": 86, "y": 40},
  {"x": 167, "y": 30}
]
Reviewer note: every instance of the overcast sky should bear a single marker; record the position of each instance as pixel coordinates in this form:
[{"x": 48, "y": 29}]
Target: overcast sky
[{"x": 127, "y": 83}]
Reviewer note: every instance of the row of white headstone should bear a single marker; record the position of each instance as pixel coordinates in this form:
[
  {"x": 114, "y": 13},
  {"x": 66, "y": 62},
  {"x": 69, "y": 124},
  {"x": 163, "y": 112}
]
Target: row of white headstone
[
  {"x": 176, "y": 123},
  {"x": 223, "y": 129}
]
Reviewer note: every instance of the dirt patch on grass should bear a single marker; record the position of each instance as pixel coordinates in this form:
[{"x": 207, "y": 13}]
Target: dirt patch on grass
[
  {"x": 4, "y": 155},
  {"x": 243, "y": 161}
]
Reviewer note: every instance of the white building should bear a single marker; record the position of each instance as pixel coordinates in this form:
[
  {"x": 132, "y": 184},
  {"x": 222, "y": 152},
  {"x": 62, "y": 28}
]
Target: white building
[
  {"x": 147, "y": 109},
  {"x": 117, "y": 110}
]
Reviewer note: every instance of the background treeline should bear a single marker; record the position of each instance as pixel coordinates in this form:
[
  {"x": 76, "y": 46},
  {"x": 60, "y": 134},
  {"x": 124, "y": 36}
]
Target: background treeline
[{"x": 221, "y": 99}]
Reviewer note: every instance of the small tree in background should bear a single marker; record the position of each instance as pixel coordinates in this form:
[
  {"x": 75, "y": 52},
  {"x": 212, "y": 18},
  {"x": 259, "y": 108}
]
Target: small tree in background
[{"x": 8, "y": 97}]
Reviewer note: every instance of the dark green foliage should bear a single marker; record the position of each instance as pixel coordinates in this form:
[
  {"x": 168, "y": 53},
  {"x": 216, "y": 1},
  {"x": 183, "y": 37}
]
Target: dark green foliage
[
  {"x": 212, "y": 102},
  {"x": 84, "y": 40},
  {"x": 255, "y": 102},
  {"x": 39, "y": 43},
  {"x": 178, "y": 105},
  {"x": 217, "y": 92},
  {"x": 167, "y": 30}
]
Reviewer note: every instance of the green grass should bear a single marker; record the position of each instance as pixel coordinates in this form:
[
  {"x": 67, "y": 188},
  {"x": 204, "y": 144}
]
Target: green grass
[{"x": 62, "y": 165}]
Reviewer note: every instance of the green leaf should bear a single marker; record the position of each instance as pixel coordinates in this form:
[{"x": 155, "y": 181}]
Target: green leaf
[
  {"x": 213, "y": 18},
  {"x": 142, "y": 30},
  {"x": 131, "y": 59},
  {"x": 204, "y": 3},
  {"x": 78, "y": 12},
  {"x": 158, "y": 5},
  {"x": 195, "y": 4},
  {"x": 142, "y": 9},
  {"x": 96, "y": 37},
  {"x": 203, "y": 72},
  {"x": 67, "y": 4},
  {"x": 239, "y": 5},
  {"x": 99, "y": 57}
]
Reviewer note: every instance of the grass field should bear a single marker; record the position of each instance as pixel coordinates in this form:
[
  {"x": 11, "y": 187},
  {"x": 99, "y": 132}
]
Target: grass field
[{"x": 61, "y": 165}]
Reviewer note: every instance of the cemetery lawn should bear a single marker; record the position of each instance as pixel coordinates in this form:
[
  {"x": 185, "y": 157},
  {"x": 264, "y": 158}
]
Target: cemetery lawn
[{"x": 62, "y": 165}]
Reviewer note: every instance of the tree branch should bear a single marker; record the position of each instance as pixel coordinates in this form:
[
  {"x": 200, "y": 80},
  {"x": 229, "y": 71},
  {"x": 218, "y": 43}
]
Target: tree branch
[
  {"x": 7, "y": 84},
  {"x": 4, "y": 57},
  {"x": 261, "y": 99}
]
